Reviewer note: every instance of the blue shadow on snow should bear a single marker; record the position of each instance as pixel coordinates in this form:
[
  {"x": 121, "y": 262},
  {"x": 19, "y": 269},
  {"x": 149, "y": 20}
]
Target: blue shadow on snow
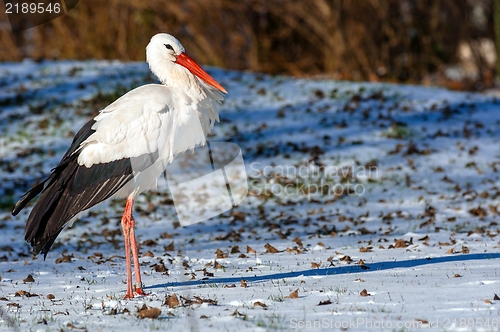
[{"x": 333, "y": 270}]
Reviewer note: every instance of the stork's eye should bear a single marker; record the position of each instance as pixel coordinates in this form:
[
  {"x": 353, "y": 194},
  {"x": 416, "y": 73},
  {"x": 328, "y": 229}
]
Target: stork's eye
[{"x": 169, "y": 47}]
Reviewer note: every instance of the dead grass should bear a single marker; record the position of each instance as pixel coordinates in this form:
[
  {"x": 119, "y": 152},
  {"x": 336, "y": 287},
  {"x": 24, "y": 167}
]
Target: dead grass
[{"x": 349, "y": 39}]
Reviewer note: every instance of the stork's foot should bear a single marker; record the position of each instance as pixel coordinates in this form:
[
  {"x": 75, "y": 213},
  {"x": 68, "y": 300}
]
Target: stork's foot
[
  {"x": 138, "y": 291},
  {"x": 138, "y": 288}
]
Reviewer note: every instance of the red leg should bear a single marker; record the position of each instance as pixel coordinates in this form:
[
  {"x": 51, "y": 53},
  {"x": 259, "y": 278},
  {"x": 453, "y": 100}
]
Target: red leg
[
  {"x": 135, "y": 255},
  {"x": 128, "y": 224},
  {"x": 126, "y": 238}
]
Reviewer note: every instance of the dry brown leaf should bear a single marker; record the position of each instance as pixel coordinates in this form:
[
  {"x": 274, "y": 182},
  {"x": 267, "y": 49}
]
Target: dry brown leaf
[
  {"x": 365, "y": 249},
  {"x": 149, "y": 243},
  {"x": 493, "y": 209},
  {"x": 64, "y": 259},
  {"x": 281, "y": 235},
  {"x": 170, "y": 247},
  {"x": 220, "y": 254},
  {"x": 218, "y": 266},
  {"x": 259, "y": 304},
  {"x": 160, "y": 267},
  {"x": 315, "y": 265},
  {"x": 148, "y": 254},
  {"x": 347, "y": 259},
  {"x": 238, "y": 216},
  {"x": 365, "y": 231},
  {"x": 243, "y": 283},
  {"x": 457, "y": 275},
  {"x": 250, "y": 250},
  {"x": 146, "y": 312},
  {"x": 171, "y": 301},
  {"x": 25, "y": 293},
  {"x": 293, "y": 295},
  {"x": 364, "y": 292},
  {"x": 293, "y": 250},
  {"x": 166, "y": 235},
  {"x": 270, "y": 249},
  {"x": 399, "y": 243},
  {"x": 496, "y": 297},
  {"x": 326, "y": 302},
  {"x": 429, "y": 222},
  {"x": 29, "y": 278},
  {"x": 478, "y": 212},
  {"x": 238, "y": 314},
  {"x": 425, "y": 238},
  {"x": 199, "y": 300},
  {"x": 484, "y": 194},
  {"x": 50, "y": 296},
  {"x": 298, "y": 242}
]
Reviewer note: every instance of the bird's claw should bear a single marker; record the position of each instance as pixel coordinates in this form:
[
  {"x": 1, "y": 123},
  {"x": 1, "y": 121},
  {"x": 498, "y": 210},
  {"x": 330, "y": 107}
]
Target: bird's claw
[
  {"x": 128, "y": 296},
  {"x": 138, "y": 288},
  {"x": 139, "y": 291}
]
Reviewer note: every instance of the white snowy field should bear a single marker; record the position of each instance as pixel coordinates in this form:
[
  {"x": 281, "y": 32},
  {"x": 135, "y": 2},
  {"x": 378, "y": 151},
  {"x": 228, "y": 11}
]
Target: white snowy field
[{"x": 371, "y": 207}]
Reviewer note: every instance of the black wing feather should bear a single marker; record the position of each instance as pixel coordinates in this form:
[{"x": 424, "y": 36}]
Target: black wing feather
[
  {"x": 81, "y": 136},
  {"x": 75, "y": 189},
  {"x": 72, "y": 188}
]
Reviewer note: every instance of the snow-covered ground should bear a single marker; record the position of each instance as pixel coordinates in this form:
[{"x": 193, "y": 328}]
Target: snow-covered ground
[{"x": 370, "y": 206}]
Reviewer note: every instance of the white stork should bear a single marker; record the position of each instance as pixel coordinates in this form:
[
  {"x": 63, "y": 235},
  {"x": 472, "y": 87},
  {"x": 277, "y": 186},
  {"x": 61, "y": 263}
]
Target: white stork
[{"x": 125, "y": 148}]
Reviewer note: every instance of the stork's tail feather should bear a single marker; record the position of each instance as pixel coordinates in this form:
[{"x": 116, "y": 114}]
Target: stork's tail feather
[
  {"x": 21, "y": 204},
  {"x": 40, "y": 215},
  {"x": 36, "y": 232}
]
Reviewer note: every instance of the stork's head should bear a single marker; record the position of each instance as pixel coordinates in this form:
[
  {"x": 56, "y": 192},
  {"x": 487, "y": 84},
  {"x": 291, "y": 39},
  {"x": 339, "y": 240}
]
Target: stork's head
[{"x": 165, "y": 55}]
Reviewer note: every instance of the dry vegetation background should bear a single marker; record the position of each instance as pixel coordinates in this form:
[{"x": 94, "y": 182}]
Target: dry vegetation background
[{"x": 391, "y": 40}]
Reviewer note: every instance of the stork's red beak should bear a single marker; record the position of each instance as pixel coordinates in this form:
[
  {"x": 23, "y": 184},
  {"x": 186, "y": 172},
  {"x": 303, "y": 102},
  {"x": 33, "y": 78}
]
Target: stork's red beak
[{"x": 184, "y": 60}]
